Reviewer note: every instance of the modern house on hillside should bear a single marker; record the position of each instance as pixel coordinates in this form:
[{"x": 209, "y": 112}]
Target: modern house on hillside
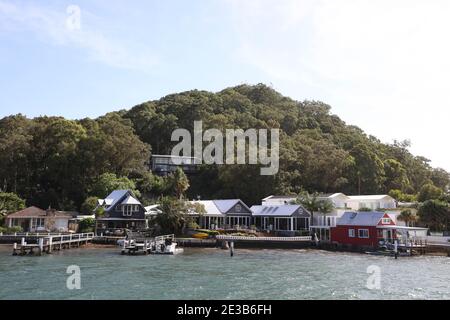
[
  {"x": 165, "y": 164},
  {"x": 223, "y": 214},
  {"x": 121, "y": 211},
  {"x": 281, "y": 218}
]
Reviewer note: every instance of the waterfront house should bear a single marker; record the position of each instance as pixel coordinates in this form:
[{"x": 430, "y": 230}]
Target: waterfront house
[
  {"x": 281, "y": 218},
  {"x": 121, "y": 210},
  {"x": 321, "y": 223},
  {"x": 34, "y": 219},
  {"x": 364, "y": 229},
  {"x": 223, "y": 214}
]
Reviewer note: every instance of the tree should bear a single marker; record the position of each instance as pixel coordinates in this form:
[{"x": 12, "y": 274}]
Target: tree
[
  {"x": 408, "y": 217},
  {"x": 89, "y": 205},
  {"x": 396, "y": 176},
  {"x": 435, "y": 214},
  {"x": 173, "y": 215},
  {"x": 313, "y": 204},
  {"x": 108, "y": 182},
  {"x": 86, "y": 225},
  {"x": 9, "y": 203},
  {"x": 429, "y": 192},
  {"x": 369, "y": 169},
  {"x": 440, "y": 178},
  {"x": 399, "y": 196},
  {"x": 179, "y": 183}
]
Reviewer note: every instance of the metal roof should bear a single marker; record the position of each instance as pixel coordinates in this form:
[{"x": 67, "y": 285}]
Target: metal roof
[
  {"x": 209, "y": 206},
  {"x": 220, "y": 207},
  {"x": 279, "y": 211},
  {"x": 225, "y": 205},
  {"x": 361, "y": 218},
  {"x": 114, "y": 197},
  {"x": 131, "y": 200}
]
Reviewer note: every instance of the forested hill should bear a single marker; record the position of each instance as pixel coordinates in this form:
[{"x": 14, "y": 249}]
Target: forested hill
[{"x": 59, "y": 162}]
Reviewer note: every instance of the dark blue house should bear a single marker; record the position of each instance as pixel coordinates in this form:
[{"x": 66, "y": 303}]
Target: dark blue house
[{"x": 121, "y": 211}]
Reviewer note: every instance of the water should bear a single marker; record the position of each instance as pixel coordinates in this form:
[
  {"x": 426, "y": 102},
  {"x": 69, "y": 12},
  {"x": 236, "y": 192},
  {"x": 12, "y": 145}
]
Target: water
[{"x": 213, "y": 274}]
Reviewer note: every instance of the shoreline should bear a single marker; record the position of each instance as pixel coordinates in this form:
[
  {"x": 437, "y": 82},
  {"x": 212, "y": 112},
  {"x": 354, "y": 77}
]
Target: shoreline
[{"x": 5, "y": 247}]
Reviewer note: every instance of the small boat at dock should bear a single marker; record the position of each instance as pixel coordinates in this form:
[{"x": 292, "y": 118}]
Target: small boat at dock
[{"x": 165, "y": 244}]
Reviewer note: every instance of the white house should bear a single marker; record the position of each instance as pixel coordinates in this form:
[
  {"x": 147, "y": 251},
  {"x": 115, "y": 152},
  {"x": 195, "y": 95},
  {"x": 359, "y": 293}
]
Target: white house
[
  {"x": 372, "y": 202},
  {"x": 278, "y": 200}
]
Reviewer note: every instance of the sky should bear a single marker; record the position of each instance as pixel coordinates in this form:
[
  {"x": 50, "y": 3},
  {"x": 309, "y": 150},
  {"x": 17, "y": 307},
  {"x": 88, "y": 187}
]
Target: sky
[{"x": 382, "y": 65}]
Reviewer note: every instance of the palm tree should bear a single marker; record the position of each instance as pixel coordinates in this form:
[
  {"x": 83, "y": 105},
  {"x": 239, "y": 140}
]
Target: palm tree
[
  {"x": 313, "y": 204},
  {"x": 408, "y": 217},
  {"x": 179, "y": 182}
]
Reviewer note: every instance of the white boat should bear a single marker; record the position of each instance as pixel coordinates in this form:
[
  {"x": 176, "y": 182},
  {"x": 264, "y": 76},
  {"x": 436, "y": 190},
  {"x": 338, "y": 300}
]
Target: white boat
[
  {"x": 165, "y": 245},
  {"x": 159, "y": 245}
]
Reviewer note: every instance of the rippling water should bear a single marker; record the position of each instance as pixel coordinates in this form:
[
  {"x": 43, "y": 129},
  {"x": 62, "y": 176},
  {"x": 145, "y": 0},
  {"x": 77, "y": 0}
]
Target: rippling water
[{"x": 213, "y": 274}]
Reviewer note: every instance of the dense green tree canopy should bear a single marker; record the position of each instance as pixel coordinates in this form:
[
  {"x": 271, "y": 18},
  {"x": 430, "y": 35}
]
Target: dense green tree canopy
[
  {"x": 435, "y": 214},
  {"x": 52, "y": 161}
]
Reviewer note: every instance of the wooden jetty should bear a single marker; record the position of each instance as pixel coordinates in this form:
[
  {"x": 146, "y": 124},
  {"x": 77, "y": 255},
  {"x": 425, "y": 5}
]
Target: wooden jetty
[
  {"x": 47, "y": 244},
  {"x": 159, "y": 245},
  {"x": 434, "y": 248}
]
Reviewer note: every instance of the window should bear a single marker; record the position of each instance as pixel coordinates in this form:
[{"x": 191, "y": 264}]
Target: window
[
  {"x": 37, "y": 223},
  {"x": 238, "y": 208},
  {"x": 127, "y": 210},
  {"x": 363, "y": 233},
  {"x": 351, "y": 233},
  {"x": 386, "y": 221}
]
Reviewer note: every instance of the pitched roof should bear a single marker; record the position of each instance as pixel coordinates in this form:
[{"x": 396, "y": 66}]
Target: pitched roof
[
  {"x": 293, "y": 196},
  {"x": 131, "y": 200},
  {"x": 225, "y": 205},
  {"x": 210, "y": 207},
  {"x": 29, "y": 212},
  {"x": 114, "y": 197},
  {"x": 361, "y": 218},
  {"x": 279, "y": 210},
  {"x": 220, "y": 207},
  {"x": 35, "y": 212}
]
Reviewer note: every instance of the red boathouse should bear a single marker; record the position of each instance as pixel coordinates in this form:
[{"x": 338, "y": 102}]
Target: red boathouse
[{"x": 363, "y": 229}]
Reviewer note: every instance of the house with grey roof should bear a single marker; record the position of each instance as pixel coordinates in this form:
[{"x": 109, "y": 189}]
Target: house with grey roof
[
  {"x": 121, "y": 211},
  {"x": 223, "y": 214},
  {"x": 279, "y": 217}
]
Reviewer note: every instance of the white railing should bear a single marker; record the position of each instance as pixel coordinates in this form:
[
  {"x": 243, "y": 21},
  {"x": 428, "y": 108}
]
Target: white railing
[
  {"x": 162, "y": 238},
  {"x": 31, "y": 234},
  {"x": 229, "y": 238}
]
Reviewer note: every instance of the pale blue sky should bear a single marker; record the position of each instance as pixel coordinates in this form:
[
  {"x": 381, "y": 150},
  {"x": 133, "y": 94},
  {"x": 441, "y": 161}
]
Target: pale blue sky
[{"x": 382, "y": 65}]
